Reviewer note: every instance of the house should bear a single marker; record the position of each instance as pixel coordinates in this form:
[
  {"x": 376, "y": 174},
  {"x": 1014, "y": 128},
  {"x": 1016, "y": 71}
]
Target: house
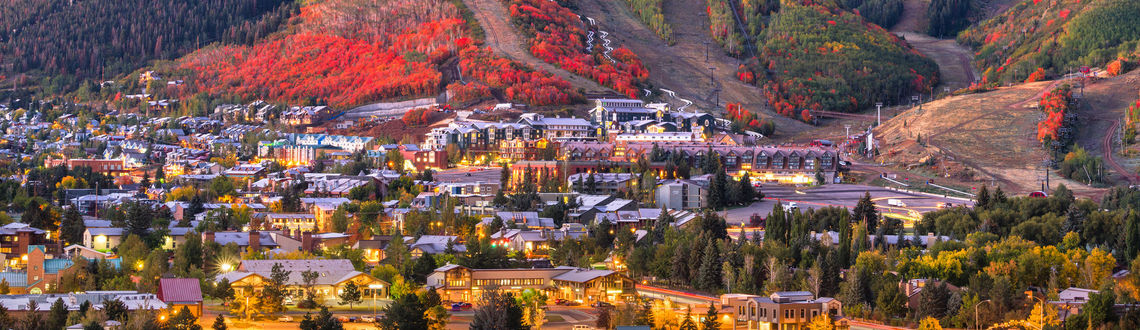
[
  {"x": 181, "y": 292},
  {"x": 601, "y": 183},
  {"x": 458, "y": 283},
  {"x": 913, "y": 288},
  {"x": 334, "y": 275},
  {"x": 16, "y": 237},
  {"x": 434, "y": 244},
  {"x": 249, "y": 239},
  {"x": 103, "y": 239},
  {"x": 782, "y": 310},
  {"x": 373, "y": 248}
]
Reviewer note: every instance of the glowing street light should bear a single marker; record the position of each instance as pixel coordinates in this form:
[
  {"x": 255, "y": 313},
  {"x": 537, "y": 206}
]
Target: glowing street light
[{"x": 226, "y": 268}]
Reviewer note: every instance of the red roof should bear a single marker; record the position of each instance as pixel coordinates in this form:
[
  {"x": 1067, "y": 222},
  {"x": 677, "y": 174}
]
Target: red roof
[{"x": 172, "y": 290}]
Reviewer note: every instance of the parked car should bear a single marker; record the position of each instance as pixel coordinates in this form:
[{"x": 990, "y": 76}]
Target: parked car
[
  {"x": 370, "y": 318},
  {"x": 601, "y": 304},
  {"x": 343, "y": 319},
  {"x": 559, "y": 301},
  {"x": 460, "y": 306},
  {"x": 582, "y": 327},
  {"x": 285, "y": 318}
]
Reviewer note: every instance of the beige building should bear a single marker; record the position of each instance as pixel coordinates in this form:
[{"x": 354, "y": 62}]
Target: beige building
[
  {"x": 334, "y": 274},
  {"x": 786, "y": 310},
  {"x": 458, "y": 283}
]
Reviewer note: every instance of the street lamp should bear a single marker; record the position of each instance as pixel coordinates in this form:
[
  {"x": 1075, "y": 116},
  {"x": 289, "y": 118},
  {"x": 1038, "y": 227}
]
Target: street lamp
[
  {"x": 375, "y": 287},
  {"x": 976, "y": 325}
]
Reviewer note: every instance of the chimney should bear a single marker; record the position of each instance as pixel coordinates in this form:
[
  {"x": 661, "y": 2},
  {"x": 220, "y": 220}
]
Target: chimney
[
  {"x": 255, "y": 240},
  {"x": 208, "y": 236},
  {"x": 307, "y": 241},
  {"x": 25, "y": 238}
]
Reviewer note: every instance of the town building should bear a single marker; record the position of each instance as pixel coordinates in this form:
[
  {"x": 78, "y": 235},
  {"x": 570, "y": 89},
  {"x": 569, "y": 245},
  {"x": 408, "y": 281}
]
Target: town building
[
  {"x": 458, "y": 283},
  {"x": 181, "y": 292},
  {"x": 681, "y": 195},
  {"x": 334, "y": 275},
  {"x": 785, "y": 310},
  {"x": 16, "y": 237}
]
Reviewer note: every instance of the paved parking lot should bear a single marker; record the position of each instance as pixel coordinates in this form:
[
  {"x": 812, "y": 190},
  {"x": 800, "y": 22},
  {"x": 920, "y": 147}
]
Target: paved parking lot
[{"x": 842, "y": 195}]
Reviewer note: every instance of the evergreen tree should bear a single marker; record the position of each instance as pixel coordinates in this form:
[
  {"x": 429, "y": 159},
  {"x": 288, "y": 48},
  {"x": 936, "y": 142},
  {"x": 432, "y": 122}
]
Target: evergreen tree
[
  {"x": 844, "y": 253},
  {"x": 680, "y": 265},
  {"x": 323, "y": 321},
  {"x": 223, "y": 290},
  {"x": 184, "y": 320},
  {"x": 32, "y": 320},
  {"x": 710, "y": 271},
  {"x": 983, "y": 198},
  {"x": 776, "y": 225},
  {"x": 999, "y": 197},
  {"x": 72, "y": 228},
  {"x": 933, "y": 299},
  {"x": 716, "y": 192},
  {"x": 220, "y": 322},
  {"x": 1074, "y": 219},
  {"x": 866, "y": 213},
  {"x": 115, "y": 310},
  {"x": 711, "y": 322},
  {"x": 747, "y": 191},
  {"x": 687, "y": 323},
  {"x": 406, "y": 312},
  {"x": 350, "y": 294},
  {"x": 591, "y": 185},
  {"x": 423, "y": 267},
  {"x": 504, "y": 178},
  {"x": 6, "y": 320},
  {"x": 1131, "y": 235},
  {"x": 57, "y": 317}
]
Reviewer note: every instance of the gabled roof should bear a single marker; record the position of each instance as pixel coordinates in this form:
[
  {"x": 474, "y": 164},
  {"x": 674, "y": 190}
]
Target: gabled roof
[{"x": 179, "y": 290}]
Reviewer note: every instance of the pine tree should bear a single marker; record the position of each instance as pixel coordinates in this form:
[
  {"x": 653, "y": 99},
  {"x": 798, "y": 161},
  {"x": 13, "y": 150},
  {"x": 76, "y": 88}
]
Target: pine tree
[
  {"x": 983, "y": 198},
  {"x": 220, "y": 322},
  {"x": 1131, "y": 235},
  {"x": 350, "y": 295},
  {"x": 72, "y": 228},
  {"x": 866, "y": 213},
  {"x": 710, "y": 271},
  {"x": 844, "y": 253},
  {"x": 687, "y": 323},
  {"x": 711, "y": 322},
  {"x": 747, "y": 191},
  {"x": 57, "y": 317},
  {"x": 680, "y": 269}
]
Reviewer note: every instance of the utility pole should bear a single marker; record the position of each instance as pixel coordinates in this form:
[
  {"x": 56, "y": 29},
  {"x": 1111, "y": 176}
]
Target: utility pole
[
  {"x": 878, "y": 113},
  {"x": 847, "y": 128},
  {"x": 706, "y": 42}
]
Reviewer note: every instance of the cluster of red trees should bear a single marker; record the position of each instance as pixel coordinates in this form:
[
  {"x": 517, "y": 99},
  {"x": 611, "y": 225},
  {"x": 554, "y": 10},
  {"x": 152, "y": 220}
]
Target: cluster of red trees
[
  {"x": 1055, "y": 103},
  {"x": 418, "y": 117},
  {"x": 1117, "y": 67},
  {"x": 1038, "y": 75},
  {"x": 516, "y": 81},
  {"x": 335, "y": 58},
  {"x": 557, "y": 37},
  {"x": 747, "y": 120}
]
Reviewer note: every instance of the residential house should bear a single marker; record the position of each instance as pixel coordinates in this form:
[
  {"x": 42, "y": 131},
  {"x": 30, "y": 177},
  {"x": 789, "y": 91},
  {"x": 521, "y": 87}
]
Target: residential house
[{"x": 181, "y": 292}]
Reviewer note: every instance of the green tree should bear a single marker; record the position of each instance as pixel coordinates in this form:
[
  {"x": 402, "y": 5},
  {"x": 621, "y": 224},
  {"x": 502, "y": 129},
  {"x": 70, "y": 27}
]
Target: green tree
[
  {"x": 223, "y": 290},
  {"x": 350, "y": 295},
  {"x": 498, "y": 310},
  {"x": 688, "y": 323},
  {"x": 865, "y": 212},
  {"x": 423, "y": 267},
  {"x": 115, "y": 310},
  {"x": 711, "y": 320},
  {"x": 72, "y": 228},
  {"x": 323, "y": 321},
  {"x": 57, "y": 317},
  {"x": 405, "y": 312},
  {"x": 184, "y": 320},
  {"x": 220, "y": 322}
]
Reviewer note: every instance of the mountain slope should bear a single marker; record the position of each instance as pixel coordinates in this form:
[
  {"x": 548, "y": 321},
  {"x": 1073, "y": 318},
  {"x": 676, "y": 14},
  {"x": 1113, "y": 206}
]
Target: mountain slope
[
  {"x": 1054, "y": 37},
  {"x": 103, "y": 38}
]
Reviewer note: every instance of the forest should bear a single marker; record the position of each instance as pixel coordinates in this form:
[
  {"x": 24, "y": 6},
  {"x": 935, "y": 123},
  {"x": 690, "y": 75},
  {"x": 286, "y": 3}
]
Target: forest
[
  {"x": 884, "y": 13},
  {"x": 1058, "y": 36},
  {"x": 557, "y": 36},
  {"x": 947, "y": 17},
  {"x": 818, "y": 55},
  {"x": 826, "y": 58},
  {"x": 100, "y": 39},
  {"x": 651, "y": 12}
]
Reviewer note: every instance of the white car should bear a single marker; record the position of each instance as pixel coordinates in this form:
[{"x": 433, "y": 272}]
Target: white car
[
  {"x": 790, "y": 206},
  {"x": 285, "y": 318}
]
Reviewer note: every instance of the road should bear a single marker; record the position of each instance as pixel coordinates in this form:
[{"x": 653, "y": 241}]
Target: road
[
  {"x": 502, "y": 37},
  {"x": 1110, "y": 156}
]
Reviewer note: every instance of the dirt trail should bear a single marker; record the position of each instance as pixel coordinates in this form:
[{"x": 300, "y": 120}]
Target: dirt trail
[
  {"x": 1102, "y": 115},
  {"x": 682, "y": 67},
  {"x": 502, "y": 37},
  {"x": 954, "y": 60}
]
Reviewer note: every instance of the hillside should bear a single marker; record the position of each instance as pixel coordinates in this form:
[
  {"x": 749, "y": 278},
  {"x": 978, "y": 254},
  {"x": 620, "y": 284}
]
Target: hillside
[
  {"x": 992, "y": 137},
  {"x": 1049, "y": 38},
  {"x": 813, "y": 56},
  {"x": 75, "y": 40},
  {"x": 348, "y": 52}
]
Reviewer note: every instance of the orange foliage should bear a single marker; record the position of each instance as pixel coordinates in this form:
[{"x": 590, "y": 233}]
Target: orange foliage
[
  {"x": 557, "y": 37},
  {"x": 1038, "y": 75},
  {"x": 1055, "y": 103},
  {"x": 1117, "y": 67}
]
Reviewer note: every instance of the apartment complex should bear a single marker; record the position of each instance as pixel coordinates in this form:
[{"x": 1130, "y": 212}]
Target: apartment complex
[{"x": 458, "y": 283}]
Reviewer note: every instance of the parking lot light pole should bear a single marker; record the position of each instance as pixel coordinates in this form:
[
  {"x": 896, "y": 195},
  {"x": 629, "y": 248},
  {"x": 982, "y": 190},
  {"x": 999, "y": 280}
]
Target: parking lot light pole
[{"x": 374, "y": 288}]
